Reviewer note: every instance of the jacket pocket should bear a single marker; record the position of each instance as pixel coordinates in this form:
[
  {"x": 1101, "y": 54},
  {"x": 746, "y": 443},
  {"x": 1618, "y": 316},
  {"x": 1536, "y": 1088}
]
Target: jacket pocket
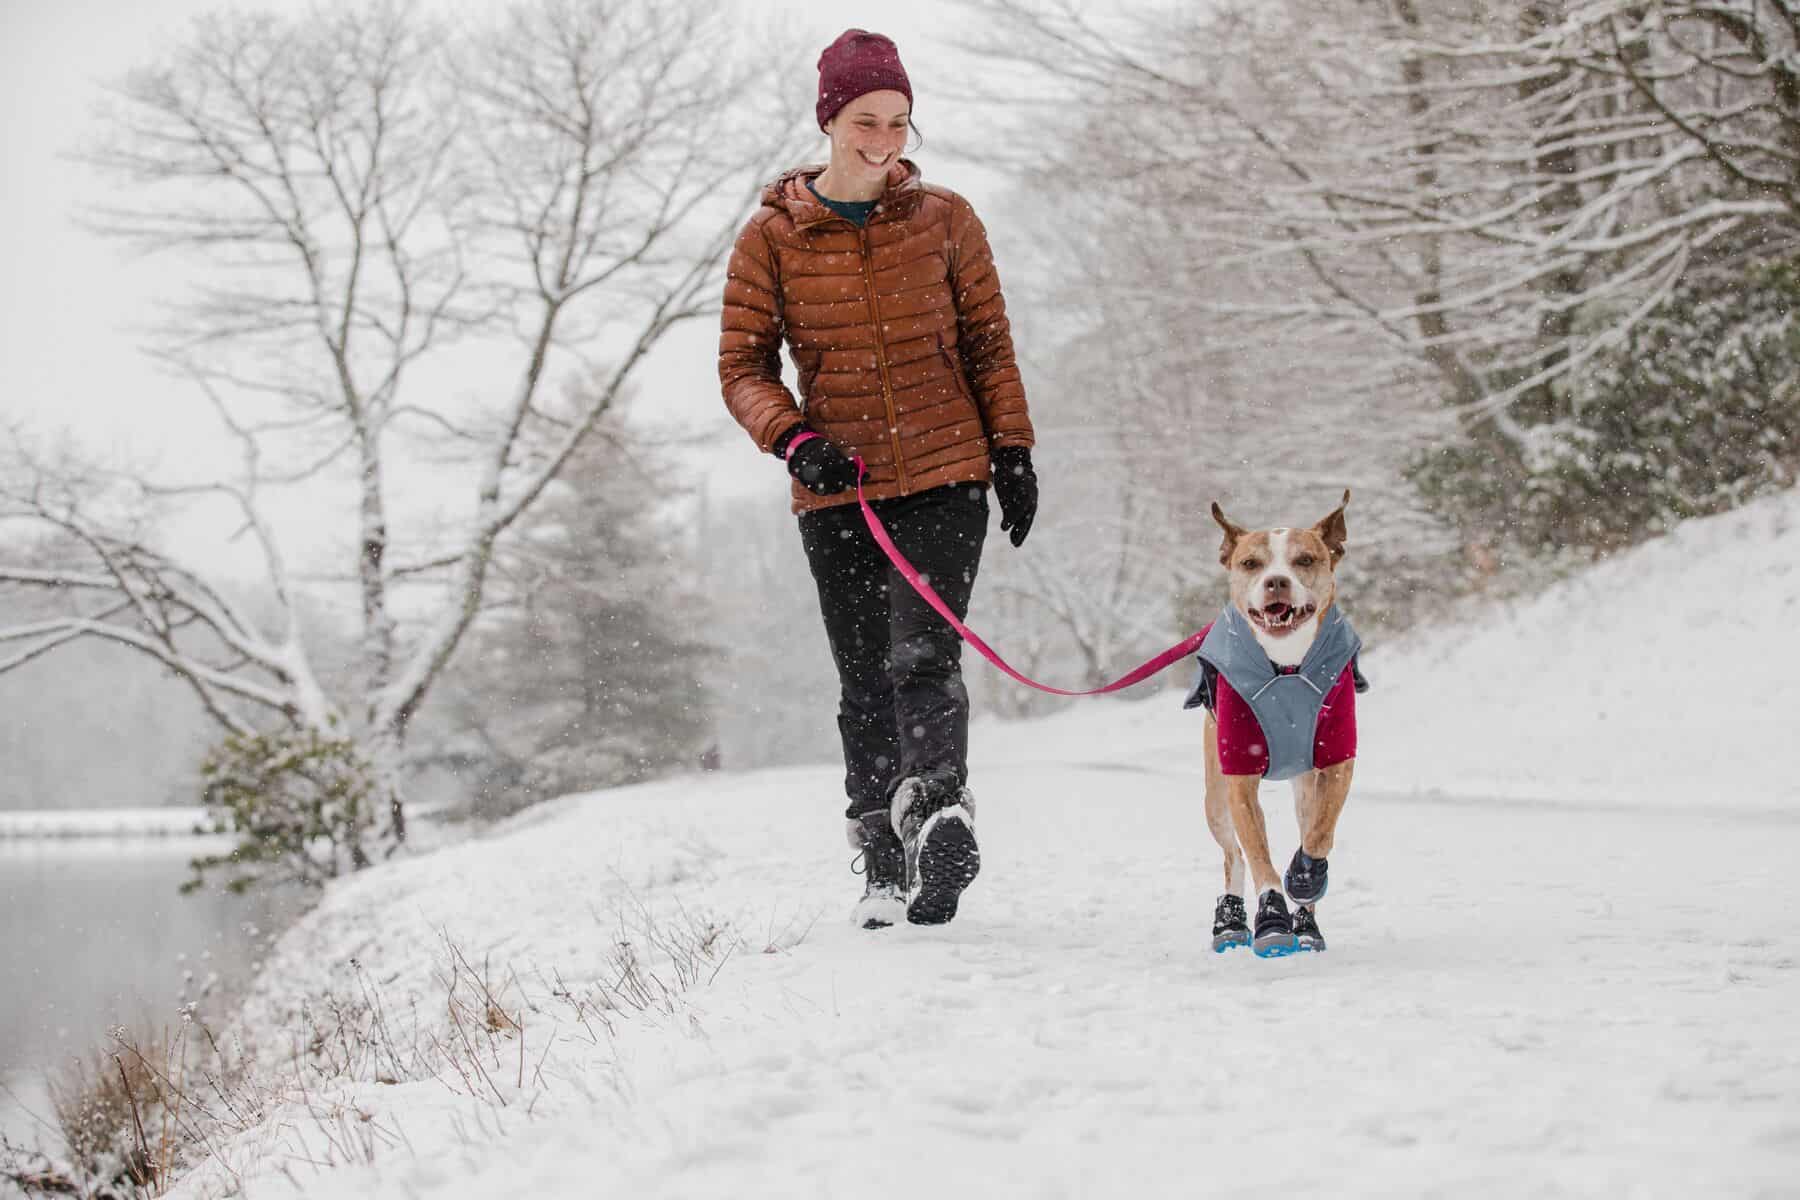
[
  {"x": 808, "y": 368},
  {"x": 953, "y": 360}
]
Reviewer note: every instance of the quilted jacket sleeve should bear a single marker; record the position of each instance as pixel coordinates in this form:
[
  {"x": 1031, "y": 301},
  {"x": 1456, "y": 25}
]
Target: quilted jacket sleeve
[
  {"x": 984, "y": 336},
  {"x": 750, "y": 339}
]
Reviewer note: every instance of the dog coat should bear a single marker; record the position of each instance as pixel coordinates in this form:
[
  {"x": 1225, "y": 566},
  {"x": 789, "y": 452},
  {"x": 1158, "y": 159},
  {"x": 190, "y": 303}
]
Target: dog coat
[{"x": 1279, "y": 721}]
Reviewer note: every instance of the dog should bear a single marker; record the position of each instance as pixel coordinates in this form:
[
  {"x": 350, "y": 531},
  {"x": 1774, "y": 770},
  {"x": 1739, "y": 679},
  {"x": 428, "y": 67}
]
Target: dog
[{"x": 1279, "y": 678}]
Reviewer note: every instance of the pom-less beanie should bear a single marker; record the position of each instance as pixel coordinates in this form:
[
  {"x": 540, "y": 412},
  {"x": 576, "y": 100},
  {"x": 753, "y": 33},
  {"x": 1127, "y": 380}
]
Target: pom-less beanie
[{"x": 857, "y": 63}]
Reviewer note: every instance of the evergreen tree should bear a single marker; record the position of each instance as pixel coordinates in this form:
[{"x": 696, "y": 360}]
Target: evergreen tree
[
  {"x": 589, "y": 675},
  {"x": 1696, "y": 412}
]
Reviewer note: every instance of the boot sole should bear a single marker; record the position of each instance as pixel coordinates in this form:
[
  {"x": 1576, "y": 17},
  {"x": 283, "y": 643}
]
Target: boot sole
[
  {"x": 1302, "y": 898},
  {"x": 1275, "y": 945},
  {"x": 878, "y": 914},
  {"x": 1230, "y": 940},
  {"x": 948, "y": 862}
]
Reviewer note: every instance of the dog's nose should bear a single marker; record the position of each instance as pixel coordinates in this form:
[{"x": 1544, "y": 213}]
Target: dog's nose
[{"x": 1277, "y": 585}]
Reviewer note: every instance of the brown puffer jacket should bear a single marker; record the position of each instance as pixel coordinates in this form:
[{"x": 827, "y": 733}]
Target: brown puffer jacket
[{"x": 898, "y": 329}]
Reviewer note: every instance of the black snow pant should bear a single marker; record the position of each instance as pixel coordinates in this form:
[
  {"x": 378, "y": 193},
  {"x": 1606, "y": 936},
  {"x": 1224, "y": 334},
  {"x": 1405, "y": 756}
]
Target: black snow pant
[{"x": 903, "y": 710}]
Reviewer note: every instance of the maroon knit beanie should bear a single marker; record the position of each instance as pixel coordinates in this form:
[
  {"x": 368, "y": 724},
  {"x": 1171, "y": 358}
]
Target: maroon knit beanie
[{"x": 857, "y": 63}]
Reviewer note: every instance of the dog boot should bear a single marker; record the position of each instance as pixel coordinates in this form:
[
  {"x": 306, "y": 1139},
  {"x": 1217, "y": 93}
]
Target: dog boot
[
  {"x": 1306, "y": 929},
  {"x": 883, "y": 861},
  {"x": 1305, "y": 879},
  {"x": 1274, "y": 927},
  {"x": 1230, "y": 926},
  {"x": 936, "y": 825}
]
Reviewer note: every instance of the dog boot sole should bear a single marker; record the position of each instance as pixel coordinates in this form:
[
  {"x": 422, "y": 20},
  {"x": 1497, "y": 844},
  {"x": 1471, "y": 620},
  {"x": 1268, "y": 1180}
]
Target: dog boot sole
[
  {"x": 1276, "y": 945},
  {"x": 948, "y": 863}
]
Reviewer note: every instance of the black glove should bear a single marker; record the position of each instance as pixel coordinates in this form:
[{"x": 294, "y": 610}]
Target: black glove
[
  {"x": 820, "y": 466},
  {"x": 1015, "y": 484}
]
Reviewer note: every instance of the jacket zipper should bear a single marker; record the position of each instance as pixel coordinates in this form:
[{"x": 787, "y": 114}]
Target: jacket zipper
[{"x": 887, "y": 391}]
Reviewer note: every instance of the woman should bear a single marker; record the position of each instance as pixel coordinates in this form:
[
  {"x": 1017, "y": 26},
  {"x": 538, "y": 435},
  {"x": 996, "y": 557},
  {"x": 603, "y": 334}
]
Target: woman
[{"x": 884, "y": 290}]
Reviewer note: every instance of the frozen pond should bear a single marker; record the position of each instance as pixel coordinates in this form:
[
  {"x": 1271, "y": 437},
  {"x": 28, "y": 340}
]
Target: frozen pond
[{"x": 95, "y": 934}]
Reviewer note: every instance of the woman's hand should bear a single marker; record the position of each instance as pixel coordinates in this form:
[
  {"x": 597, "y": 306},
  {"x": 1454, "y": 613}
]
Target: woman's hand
[
  {"x": 1015, "y": 485},
  {"x": 820, "y": 466}
]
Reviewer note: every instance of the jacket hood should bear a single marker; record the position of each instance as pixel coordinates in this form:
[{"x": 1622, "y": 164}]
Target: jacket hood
[{"x": 788, "y": 193}]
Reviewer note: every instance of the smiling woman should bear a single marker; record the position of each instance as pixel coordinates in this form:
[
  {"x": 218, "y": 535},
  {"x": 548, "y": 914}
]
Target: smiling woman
[{"x": 883, "y": 289}]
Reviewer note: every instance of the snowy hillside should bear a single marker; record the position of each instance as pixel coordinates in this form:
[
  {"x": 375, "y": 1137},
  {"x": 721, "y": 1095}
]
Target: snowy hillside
[
  {"x": 1588, "y": 993},
  {"x": 1664, "y": 677}
]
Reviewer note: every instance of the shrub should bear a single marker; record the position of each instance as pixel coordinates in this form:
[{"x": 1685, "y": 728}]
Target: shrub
[
  {"x": 1697, "y": 413},
  {"x": 299, "y": 803}
]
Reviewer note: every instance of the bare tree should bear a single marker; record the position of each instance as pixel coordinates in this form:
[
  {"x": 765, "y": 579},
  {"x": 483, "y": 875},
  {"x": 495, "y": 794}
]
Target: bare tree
[
  {"x": 1491, "y": 194},
  {"x": 1276, "y": 244},
  {"x": 376, "y": 195}
]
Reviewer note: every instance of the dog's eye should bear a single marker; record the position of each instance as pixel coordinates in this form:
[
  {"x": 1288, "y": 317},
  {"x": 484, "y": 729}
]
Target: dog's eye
[
  {"x": 1249, "y": 564},
  {"x": 1304, "y": 560}
]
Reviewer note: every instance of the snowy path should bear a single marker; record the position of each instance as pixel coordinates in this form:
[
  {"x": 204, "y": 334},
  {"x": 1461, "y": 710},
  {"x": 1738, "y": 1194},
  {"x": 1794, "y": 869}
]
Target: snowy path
[
  {"x": 1565, "y": 960},
  {"x": 1519, "y": 1000}
]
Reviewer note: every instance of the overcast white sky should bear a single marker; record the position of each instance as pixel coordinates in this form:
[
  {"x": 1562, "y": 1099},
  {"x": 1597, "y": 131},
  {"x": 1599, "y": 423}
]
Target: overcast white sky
[{"x": 68, "y": 349}]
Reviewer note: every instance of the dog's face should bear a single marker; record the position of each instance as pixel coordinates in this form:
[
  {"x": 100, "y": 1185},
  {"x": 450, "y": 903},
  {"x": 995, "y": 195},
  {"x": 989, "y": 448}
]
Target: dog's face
[{"x": 1282, "y": 579}]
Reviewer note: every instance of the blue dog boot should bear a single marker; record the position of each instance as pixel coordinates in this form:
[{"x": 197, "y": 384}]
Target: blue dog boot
[
  {"x": 1306, "y": 930},
  {"x": 1274, "y": 927},
  {"x": 1305, "y": 879},
  {"x": 1231, "y": 926}
]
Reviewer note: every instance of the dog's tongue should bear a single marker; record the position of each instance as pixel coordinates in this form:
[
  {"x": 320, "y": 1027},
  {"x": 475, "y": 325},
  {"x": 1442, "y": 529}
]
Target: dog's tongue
[{"x": 1278, "y": 610}]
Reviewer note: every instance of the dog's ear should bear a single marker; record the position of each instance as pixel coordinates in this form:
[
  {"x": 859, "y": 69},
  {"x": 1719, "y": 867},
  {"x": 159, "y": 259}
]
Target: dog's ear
[
  {"x": 1332, "y": 532},
  {"x": 1232, "y": 533}
]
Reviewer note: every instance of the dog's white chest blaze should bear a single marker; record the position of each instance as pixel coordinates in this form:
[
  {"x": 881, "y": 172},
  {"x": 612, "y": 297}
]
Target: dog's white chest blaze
[{"x": 1288, "y": 650}]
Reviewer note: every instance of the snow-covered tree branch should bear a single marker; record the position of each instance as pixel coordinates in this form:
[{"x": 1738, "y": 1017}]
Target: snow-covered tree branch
[{"x": 1491, "y": 195}]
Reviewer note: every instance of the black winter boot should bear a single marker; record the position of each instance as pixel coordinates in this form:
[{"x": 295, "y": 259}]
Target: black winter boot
[
  {"x": 1230, "y": 925},
  {"x": 936, "y": 824},
  {"x": 883, "y": 862},
  {"x": 1274, "y": 927}
]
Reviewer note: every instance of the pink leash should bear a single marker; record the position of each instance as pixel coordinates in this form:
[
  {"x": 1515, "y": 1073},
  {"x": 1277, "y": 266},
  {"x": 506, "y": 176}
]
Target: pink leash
[{"x": 1135, "y": 675}]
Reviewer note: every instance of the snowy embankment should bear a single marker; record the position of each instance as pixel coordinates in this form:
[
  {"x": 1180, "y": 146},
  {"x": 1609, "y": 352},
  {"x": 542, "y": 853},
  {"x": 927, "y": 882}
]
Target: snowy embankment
[
  {"x": 1585, "y": 993},
  {"x": 1669, "y": 676},
  {"x": 103, "y": 823}
]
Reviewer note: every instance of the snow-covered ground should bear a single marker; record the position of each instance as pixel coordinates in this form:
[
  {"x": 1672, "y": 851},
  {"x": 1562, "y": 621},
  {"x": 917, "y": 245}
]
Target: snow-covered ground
[{"x": 1564, "y": 960}]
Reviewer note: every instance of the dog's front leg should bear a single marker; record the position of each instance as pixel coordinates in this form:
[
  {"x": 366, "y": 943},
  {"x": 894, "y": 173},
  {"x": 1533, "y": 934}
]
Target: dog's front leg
[
  {"x": 1330, "y": 788},
  {"x": 1252, "y": 834}
]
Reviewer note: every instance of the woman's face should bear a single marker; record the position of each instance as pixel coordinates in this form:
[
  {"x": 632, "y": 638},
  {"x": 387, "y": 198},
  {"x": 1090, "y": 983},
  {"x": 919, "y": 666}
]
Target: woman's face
[{"x": 868, "y": 134}]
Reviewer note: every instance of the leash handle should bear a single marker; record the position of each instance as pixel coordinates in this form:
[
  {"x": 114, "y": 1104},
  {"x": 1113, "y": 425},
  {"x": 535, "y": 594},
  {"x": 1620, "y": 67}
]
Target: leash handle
[{"x": 908, "y": 572}]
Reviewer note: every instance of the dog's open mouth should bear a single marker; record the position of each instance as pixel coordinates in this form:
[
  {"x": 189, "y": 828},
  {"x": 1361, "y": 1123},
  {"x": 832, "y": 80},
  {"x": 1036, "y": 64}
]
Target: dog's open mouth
[{"x": 1279, "y": 618}]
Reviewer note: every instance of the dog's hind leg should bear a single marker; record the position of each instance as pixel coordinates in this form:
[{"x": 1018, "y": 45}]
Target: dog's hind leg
[{"x": 1306, "y": 919}]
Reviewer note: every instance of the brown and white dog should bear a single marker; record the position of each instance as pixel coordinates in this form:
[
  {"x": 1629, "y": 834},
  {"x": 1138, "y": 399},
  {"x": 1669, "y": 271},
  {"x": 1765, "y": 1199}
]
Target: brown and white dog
[{"x": 1283, "y": 583}]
